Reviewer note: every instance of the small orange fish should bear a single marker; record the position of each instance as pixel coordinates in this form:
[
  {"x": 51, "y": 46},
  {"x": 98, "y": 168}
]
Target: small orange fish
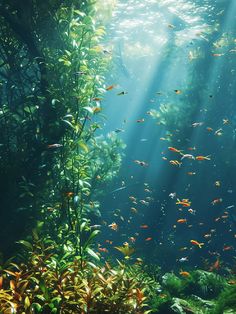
[
  {"x": 110, "y": 87},
  {"x": 217, "y": 54},
  {"x": 216, "y": 201},
  {"x": 173, "y": 149},
  {"x": 215, "y": 266},
  {"x": 132, "y": 239},
  {"x": 109, "y": 242},
  {"x": 148, "y": 239},
  {"x": 203, "y": 157},
  {"x": 144, "y": 226},
  {"x": 209, "y": 129},
  {"x": 175, "y": 163},
  {"x": 103, "y": 249},
  {"x": 184, "y": 202},
  {"x": 97, "y": 99},
  {"x": 69, "y": 194},
  {"x": 113, "y": 226},
  {"x": 182, "y": 221},
  {"x": 184, "y": 273},
  {"x": 96, "y": 109},
  {"x": 191, "y": 173},
  {"x": 227, "y": 248},
  {"x": 194, "y": 242}
]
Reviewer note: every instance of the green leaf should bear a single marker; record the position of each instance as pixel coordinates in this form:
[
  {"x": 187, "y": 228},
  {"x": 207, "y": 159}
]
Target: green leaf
[
  {"x": 68, "y": 123},
  {"x": 36, "y": 306},
  {"x": 91, "y": 237},
  {"x": 89, "y": 109},
  {"x": 93, "y": 254},
  {"x": 27, "y": 244},
  {"x": 80, "y": 13},
  {"x": 83, "y": 146},
  {"x": 41, "y": 297},
  {"x": 27, "y": 303}
]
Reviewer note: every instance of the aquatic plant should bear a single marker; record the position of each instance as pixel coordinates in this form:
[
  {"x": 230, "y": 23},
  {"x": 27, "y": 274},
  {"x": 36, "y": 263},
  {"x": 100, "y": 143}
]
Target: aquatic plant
[
  {"x": 172, "y": 284},
  {"x": 126, "y": 250},
  {"x": 204, "y": 284},
  {"x": 51, "y": 92},
  {"x": 51, "y": 283},
  {"x": 226, "y": 301}
]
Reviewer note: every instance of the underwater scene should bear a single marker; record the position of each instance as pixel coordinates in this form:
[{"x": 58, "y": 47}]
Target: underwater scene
[{"x": 118, "y": 156}]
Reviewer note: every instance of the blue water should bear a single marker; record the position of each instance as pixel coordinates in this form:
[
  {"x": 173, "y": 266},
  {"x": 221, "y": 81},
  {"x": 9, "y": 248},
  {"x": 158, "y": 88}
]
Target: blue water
[{"x": 178, "y": 58}]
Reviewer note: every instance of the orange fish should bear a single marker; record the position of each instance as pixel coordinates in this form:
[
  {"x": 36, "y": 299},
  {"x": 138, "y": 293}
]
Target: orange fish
[
  {"x": 203, "y": 157},
  {"x": 182, "y": 221},
  {"x": 215, "y": 266},
  {"x": 132, "y": 239},
  {"x": 191, "y": 173},
  {"x": 103, "y": 249},
  {"x": 113, "y": 226},
  {"x": 227, "y": 248},
  {"x": 184, "y": 202},
  {"x": 96, "y": 98},
  {"x": 175, "y": 163},
  {"x": 96, "y": 109},
  {"x": 217, "y": 54},
  {"x": 148, "y": 239},
  {"x": 216, "y": 201},
  {"x": 184, "y": 273},
  {"x": 173, "y": 149},
  {"x": 209, "y": 129},
  {"x": 144, "y": 226},
  {"x": 69, "y": 194},
  {"x": 110, "y": 87},
  {"x": 108, "y": 241},
  {"x": 194, "y": 242}
]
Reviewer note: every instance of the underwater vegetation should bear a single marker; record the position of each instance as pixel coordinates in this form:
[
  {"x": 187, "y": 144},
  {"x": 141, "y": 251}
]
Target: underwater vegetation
[
  {"x": 52, "y": 282},
  {"x": 69, "y": 242}
]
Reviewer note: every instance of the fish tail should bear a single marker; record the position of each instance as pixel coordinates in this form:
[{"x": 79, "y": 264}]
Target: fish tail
[{"x": 200, "y": 245}]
